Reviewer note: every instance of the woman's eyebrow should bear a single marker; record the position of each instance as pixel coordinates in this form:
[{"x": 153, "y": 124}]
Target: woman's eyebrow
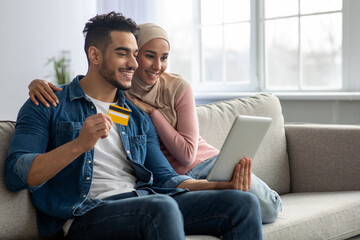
[
  {"x": 150, "y": 51},
  {"x": 155, "y": 53}
]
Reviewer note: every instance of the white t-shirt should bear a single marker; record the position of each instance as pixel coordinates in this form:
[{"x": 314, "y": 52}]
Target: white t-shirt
[{"x": 112, "y": 172}]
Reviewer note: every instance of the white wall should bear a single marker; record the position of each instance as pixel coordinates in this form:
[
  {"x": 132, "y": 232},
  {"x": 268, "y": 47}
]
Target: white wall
[{"x": 31, "y": 32}]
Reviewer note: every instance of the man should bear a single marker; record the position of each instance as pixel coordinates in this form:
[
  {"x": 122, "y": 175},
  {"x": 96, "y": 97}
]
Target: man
[{"x": 99, "y": 180}]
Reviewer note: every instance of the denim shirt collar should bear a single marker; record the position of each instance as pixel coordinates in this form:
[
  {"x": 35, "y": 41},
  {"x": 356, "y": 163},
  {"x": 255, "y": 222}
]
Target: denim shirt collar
[{"x": 75, "y": 90}]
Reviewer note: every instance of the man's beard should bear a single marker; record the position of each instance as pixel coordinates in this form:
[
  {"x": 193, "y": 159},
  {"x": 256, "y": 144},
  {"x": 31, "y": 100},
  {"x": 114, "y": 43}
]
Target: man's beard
[{"x": 110, "y": 76}]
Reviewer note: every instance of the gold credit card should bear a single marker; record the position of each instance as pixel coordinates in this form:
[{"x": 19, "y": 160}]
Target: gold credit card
[{"x": 119, "y": 115}]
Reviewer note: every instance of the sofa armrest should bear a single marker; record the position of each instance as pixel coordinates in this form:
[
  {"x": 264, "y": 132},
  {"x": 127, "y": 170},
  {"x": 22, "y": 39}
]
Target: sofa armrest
[{"x": 323, "y": 157}]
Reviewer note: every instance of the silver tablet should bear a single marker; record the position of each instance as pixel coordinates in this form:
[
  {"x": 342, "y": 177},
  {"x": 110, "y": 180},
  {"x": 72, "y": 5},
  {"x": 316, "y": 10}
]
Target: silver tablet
[{"x": 243, "y": 140}]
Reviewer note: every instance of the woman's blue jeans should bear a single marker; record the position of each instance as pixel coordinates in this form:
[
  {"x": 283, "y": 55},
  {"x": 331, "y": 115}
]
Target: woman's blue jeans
[
  {"x": 270, "y": 201},
  {"x": 231, "y": 214}
]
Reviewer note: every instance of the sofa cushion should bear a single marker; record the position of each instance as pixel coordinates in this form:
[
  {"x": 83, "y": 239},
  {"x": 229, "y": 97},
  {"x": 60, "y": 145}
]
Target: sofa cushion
[
  {"x": 271, "y": 161},
  {"x": 324, "y": 157},
  {"x": 20, "y": 220},
  {"x": 325, "y": 215}
]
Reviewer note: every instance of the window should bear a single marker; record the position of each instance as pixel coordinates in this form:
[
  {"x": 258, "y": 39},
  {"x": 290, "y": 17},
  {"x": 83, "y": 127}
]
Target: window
[
  {"x": 302, "y": 44},
  {"x": 212, "y": 42},
  {"x": 271, "y": 45},
  {"x": 257, "y": 45},
  {"x": 225, "y": 41}
]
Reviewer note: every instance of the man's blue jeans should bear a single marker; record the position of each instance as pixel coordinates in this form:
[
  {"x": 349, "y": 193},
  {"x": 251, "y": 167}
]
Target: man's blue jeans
[{"x": 231, "y": 214}]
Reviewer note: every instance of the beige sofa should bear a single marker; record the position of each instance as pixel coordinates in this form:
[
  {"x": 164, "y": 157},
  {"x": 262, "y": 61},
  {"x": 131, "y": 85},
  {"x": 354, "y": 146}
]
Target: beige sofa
[{"x": 315, "y": 168}]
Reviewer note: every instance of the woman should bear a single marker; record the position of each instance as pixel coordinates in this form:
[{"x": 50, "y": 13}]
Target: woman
[{"x": 168, "y": 100}]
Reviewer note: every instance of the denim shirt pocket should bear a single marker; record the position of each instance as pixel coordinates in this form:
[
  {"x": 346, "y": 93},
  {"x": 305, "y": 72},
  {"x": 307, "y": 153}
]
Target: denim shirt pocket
[
  {"x": 137, "y": 146},
  {"x": 67, "y": 131}
]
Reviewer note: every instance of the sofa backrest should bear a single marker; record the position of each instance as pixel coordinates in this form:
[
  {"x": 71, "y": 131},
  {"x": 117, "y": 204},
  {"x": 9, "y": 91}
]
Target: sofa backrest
[
  {"x": 271, "y": 163},
  {"x": 17, "y": 220}
]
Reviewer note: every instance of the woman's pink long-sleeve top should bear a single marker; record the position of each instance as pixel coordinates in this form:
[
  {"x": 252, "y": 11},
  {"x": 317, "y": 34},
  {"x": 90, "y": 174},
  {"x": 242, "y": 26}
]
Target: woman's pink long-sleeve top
[{"x": 182, "y": 145}]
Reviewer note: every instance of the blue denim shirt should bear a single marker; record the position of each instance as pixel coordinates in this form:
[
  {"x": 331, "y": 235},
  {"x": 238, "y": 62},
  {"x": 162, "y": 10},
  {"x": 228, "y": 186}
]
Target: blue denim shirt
[{"x": 40, "y": 129}]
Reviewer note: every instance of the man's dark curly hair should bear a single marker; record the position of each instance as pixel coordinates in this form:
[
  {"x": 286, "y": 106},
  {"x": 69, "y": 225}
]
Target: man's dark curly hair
[{"x": 97, "y": 30}]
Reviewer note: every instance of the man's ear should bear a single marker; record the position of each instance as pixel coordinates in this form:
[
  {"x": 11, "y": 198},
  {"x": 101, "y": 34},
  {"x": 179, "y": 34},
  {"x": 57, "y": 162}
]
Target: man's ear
[{"x": 95, "y": 55}]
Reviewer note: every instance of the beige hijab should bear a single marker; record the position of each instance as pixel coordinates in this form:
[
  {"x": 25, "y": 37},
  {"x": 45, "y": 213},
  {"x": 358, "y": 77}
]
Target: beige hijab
[
  {"x": 149, "y": 31},
  {"x": 163, "y": 94}
]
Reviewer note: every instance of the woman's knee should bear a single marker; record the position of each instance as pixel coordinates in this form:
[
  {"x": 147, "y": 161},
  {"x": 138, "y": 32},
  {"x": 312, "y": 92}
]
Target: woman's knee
[
  {"x": 270, "y": 209},
  {"x": 270, "y": 201}
]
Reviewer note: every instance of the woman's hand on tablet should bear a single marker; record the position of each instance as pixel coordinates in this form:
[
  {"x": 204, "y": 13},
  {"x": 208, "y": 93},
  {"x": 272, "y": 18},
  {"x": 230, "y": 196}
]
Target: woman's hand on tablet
[{"x": 242, "y": 175}]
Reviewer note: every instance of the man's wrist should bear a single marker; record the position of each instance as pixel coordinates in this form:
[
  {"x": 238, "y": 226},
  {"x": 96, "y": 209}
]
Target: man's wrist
[{"x": 76, "y": 147}]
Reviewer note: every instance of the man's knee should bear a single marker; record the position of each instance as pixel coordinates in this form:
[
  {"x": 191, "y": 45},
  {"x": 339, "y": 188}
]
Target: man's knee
[
  {"x": 244, "y": 197},
  {"x": 162, "y": 205},
  {"x": 251, "y": 202},
  {"x": 244, "y": 208},
  {"x": 247, "y": 202},
  {"x": 166, "y": 220}
]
